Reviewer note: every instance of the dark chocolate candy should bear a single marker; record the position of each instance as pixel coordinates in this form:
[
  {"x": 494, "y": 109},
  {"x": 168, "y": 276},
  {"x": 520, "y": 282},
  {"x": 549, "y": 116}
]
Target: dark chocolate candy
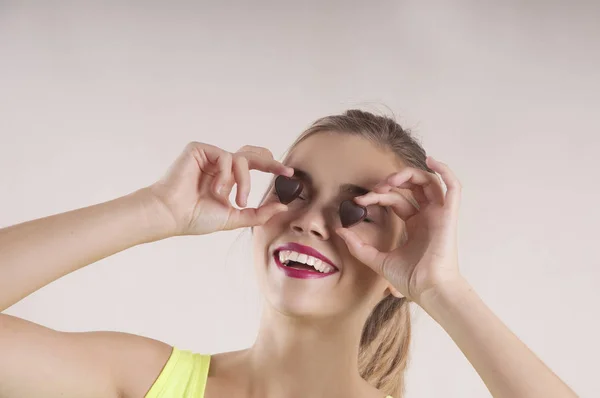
[
  {"x": 351, "y": 213},
  {"x": 287, "y": 188}
]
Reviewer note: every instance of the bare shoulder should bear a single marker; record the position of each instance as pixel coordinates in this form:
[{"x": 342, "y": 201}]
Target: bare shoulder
[
  {"x": 39, "y": 361},
  {"x": 137, "y": 360}
]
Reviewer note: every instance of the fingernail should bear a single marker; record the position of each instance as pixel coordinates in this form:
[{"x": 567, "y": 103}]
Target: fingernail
[{"x": 218, "y": 189}]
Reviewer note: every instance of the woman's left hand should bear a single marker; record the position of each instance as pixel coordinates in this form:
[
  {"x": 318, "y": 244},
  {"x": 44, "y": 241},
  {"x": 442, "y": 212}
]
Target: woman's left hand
[{"x": 428, "y": 259}]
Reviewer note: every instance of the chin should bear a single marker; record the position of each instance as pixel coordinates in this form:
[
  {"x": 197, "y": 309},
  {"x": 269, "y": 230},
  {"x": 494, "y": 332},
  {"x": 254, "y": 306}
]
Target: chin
[
  {"x": 311, "y": 298},
  {"x": 303, "y": 295},
  {"x": 298, "y": 303}
]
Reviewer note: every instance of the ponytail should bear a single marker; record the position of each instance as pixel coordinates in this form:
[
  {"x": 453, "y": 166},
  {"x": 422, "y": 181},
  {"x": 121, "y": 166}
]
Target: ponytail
[{"x": 384, "y": 346}]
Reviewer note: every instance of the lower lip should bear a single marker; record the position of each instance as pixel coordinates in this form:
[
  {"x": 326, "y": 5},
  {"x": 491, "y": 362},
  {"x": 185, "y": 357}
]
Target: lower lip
[{"x": 300, "y": 273}]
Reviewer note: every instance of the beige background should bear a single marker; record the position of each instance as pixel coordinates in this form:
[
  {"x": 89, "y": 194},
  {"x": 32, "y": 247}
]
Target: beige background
[{"x": 97, "y": 100}]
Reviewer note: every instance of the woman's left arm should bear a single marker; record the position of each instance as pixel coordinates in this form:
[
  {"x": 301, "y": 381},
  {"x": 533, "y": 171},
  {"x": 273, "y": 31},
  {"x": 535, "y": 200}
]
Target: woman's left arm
[
  {"x": 505, "y": 364},
  {"x": 424, "y": 269}
]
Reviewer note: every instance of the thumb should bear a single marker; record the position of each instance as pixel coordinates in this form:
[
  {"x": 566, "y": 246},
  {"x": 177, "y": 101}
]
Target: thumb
[
  {"x": 251, "y": 217},
  {"x": 364, "y": 252}
]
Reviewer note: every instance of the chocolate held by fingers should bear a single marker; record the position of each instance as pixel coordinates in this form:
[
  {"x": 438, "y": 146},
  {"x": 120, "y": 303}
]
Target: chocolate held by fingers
[
  {"x": 351, "y": 213},
  {"x": 287, "y": 189}
]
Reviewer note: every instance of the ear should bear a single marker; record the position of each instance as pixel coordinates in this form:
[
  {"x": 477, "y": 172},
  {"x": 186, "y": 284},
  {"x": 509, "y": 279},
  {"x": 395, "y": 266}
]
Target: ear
[{"x": 393, "y": 291}]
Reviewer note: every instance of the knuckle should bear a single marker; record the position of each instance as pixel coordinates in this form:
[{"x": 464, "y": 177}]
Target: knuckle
[
  {"x": 198, "y": 144},
  {"x": 245, "y": 148},
  {"x": 227, "y": 156},
  {"x": 400, "y": 175},
  {"x": 270, "y": 155},
  {"x": 240, "y": 160},
  {"x": 193, "y": 145},
  {"x": 384, "y": 266},
  {"x": 264, "y": 152},
  {"x": 257, "y": 150},
  {"x": 196, "y": 149}
]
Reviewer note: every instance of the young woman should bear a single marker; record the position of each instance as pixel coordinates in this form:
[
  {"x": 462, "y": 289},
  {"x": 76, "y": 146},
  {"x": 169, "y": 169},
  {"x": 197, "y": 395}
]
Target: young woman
[{"x": 354, "y": 226}]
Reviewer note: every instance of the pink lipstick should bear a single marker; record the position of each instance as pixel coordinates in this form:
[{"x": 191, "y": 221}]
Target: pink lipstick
[{"x": 303, "y": 273}]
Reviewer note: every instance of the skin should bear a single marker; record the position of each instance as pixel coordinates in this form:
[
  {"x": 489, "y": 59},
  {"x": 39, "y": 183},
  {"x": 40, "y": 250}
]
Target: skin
[{"x": 310, "y": 329}]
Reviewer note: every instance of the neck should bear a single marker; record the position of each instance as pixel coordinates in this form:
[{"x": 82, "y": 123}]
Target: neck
[{"x": 295, "y": 357}]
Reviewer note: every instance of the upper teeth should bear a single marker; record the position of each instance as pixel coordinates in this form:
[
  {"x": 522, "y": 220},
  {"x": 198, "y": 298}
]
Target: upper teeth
[{"x": 290, "y": 255}]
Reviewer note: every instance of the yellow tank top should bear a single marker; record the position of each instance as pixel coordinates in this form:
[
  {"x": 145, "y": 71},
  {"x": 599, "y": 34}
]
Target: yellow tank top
[{"x": 184, "y": 376}]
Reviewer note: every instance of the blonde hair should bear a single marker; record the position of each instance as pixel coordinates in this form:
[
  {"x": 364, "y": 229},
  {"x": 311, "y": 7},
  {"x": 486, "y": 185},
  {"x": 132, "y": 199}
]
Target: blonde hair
[{"x": 384, "y": 345}]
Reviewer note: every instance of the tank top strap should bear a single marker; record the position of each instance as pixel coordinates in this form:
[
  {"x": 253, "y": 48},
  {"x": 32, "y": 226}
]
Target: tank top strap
[{"x": 183, "y": 376}]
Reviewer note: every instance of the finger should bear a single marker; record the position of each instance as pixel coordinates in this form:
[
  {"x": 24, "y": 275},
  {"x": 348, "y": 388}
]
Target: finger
[
  {"x": 425, "y": 185},
  {"x": 382, "y": 187},
  {"x": 252, "y": 217},
  {"x": 416, "y": 191},
  {"x": 257, "y": 162},
  {"x": 259, "y": 150},
  {"x": 453, "y": 185},
  {"x": 383, "y": 184},
  {"x": 400, "y": 204},
  {"x": 214, "y": 155},
  {"x": 241, "y": 175},
  {"x": 364, "y": 252},
  {"x": 224, "y": 161}
]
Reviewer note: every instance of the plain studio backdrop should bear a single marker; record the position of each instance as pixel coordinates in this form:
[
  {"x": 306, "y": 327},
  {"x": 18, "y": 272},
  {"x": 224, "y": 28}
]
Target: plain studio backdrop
[{"x": 97, "y": 100}]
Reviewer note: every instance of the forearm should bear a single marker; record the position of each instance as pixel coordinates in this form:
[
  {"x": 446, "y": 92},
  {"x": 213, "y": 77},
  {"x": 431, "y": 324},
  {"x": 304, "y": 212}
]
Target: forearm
[
  {"x": 507, "y": 366},
  {"x": 35, "y": 253}
]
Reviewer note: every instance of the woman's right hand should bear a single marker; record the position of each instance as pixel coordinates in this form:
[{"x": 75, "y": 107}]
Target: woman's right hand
[{"x": 188, "y": 191}]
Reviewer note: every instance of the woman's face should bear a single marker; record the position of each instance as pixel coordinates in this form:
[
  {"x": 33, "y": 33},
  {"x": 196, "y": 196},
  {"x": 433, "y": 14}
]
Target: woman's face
[{"x": 329, "y": 161}]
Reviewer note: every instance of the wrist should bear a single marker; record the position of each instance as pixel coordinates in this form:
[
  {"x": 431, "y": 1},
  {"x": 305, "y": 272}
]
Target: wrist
[
  {"x": 156, "y": 218},
  {"x": 444, "y": 295}
]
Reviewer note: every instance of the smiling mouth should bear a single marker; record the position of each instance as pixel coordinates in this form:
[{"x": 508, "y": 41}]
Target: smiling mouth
[{"x": 300, "y": 270}]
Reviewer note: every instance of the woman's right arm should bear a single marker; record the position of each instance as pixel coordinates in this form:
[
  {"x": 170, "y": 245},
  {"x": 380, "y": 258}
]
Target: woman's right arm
[
  {"x": 36, "y": 361},
  {"x": 35, "y": 253}
]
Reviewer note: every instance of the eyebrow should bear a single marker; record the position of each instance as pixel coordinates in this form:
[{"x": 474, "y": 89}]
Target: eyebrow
[{"x": 344, "y": 188}]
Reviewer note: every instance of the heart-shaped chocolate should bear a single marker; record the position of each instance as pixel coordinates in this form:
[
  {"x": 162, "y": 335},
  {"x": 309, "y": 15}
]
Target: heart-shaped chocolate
[
  {"x": 351, "y": 213},
  {"x": 287, "y": 188}
]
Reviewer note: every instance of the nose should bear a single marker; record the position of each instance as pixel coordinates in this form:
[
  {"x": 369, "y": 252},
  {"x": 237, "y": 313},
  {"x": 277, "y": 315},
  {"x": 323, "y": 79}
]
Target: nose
[{"x": 311, "y": 222}]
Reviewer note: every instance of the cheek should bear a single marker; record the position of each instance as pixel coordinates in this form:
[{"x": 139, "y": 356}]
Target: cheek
[
  {"x": 361, "y": 278},
  {"x": 259, "y": 243},
  {"x": 364, "y": 280},
  {"x": 260, "y": 256},
  {"x": 385, "y": 236},
  {"x": 377, "y": 235},
  {"x": 363, "y": 289},
  {"x": 263, "y": 238}
]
